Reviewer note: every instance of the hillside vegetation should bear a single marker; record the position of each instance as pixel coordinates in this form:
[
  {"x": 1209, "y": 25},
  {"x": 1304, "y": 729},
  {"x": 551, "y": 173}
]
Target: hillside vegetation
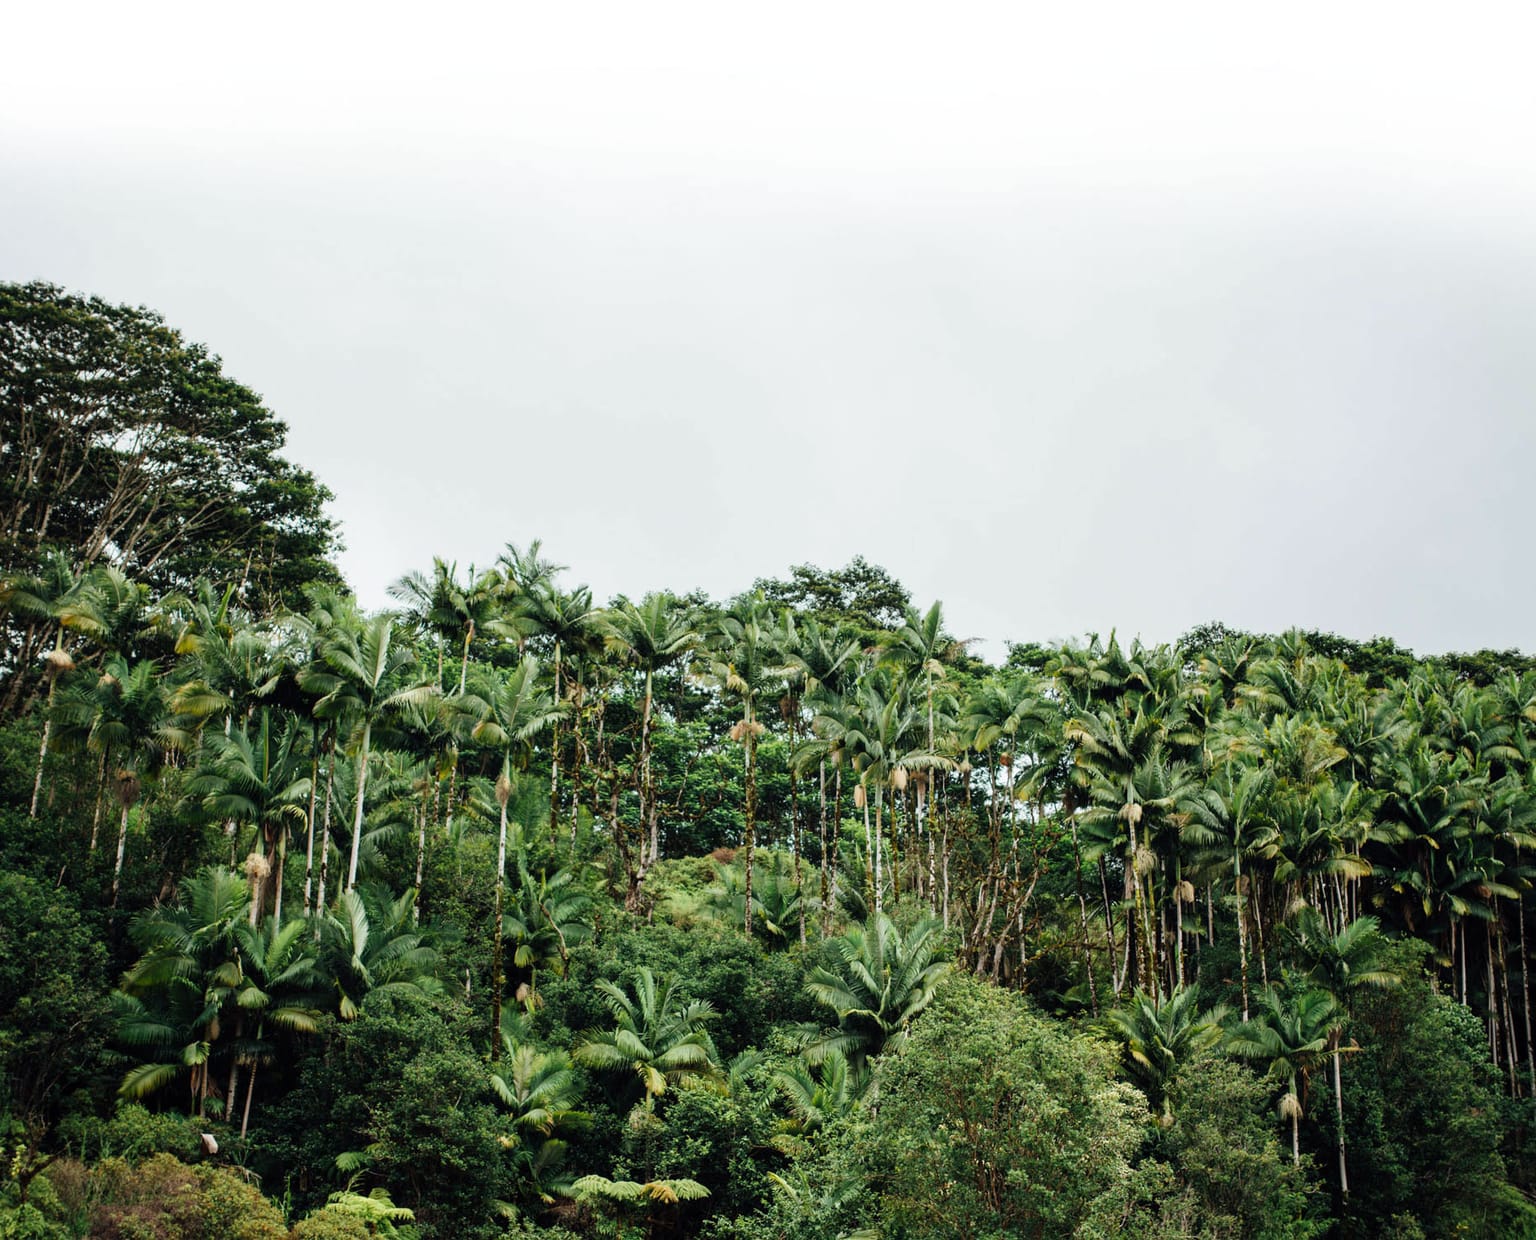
[{"x": 508, "y": 911}]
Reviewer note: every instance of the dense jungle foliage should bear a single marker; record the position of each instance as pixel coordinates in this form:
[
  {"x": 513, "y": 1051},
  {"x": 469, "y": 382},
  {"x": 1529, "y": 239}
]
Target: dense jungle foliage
[{"x": 506, "y": 912}]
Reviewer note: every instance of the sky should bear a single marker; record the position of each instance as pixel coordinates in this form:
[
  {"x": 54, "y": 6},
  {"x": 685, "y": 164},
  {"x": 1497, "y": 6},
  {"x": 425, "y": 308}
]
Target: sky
[{"x": 1074, "y": 317}]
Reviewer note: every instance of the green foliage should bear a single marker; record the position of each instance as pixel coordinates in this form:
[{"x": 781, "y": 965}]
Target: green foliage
[
  {"x": 163, "y": 1198},
  {"x": 402, "y": 1091},
  {"x": 133, "y": 1132},
  {"x": 1161, "y": 1036},
  {"x": 994, "y": 1123},
  {"x": 1230, "y": 1177},
  {"x": 1424, "y": 1120},
  {"x": 1132, "y": 831},
  {"x": 881, "y": 980},
  {"x": 658, "y": 1037},
  {"x": 52, "y": 970},
  {"x": 134, "y": 439},
  {"x": 372, "y": 942}
]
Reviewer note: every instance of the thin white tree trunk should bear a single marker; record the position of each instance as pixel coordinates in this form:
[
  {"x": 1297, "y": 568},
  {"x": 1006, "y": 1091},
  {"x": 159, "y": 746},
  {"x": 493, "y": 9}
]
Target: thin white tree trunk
[
  {"x": 122, "y": 845},
  {"x": 1338, "y": 1101},
  {"x": 357, "y": 818}
]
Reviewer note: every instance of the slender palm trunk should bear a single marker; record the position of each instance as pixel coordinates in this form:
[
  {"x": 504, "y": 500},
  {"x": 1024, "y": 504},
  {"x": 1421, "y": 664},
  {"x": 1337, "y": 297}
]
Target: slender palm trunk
[
  {"x": 869, "y": 852},
  {"x": 751, "y": 813},
  {"x": 1115, "y": 977},
  {"x": 554, "y": 758},
  {"x": 250, "y": 1088},
  {"x": 1242, "y": 933},
  {"x": 649, "y": 818},
  {"x": 943, "y": 812},
  {"x": 42, "y": 750},
  {"x": 1525, "y": 997},
  {"x": 453, "y": 789},
  {"x": 879, "y": 832},
  {"x": 101, "y": 789},
  {"x": 309, "y": 846},
  {"x": 794, "y": 819},
  {"x": 277, "y": 878},
  {"x": 1082, "y": 917},
  {"x": 1338, "y": 1102},
  {"x": 325, "y": 830},
  {"x": 837, "y": 829},
  {"x": 498, "y": 982},
  {"x": 421, "y": 856},
  {"x": 1178, "y": 921},
  {"x": 122, "y": 845},
  {"x": 357, "y": 817},
  {"x": 821, "y": 792}
]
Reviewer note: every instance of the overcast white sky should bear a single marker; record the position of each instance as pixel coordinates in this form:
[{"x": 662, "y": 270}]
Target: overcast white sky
[{"x": 1072, "y": 316}]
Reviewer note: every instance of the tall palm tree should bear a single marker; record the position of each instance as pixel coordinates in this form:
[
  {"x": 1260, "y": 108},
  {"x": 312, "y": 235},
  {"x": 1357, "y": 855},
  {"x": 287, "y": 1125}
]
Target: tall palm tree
[
  {"x": 1340, "y": 965},
  {"x": 278, "y": 987},
  {"x": 512, "y": 713},
  {"x": 656, "y": 634},
  {"x": 125, "y": 719},
  {"x": 1221, "y": 816},
  {"x": 1292, "y": 1034},
  {"x": 450, "y": 609},
  {"x": 825, "y": 658},
  {"x": 328, "y": 610},
  {"x": 570, "y": 623},
  {"x": 921, "y": 646},
  {"x": 229, "y": 666},
  {"x": 740, "y": 662},
  {"x": 177, "y": 1001},
  {"x": 353, "y": 678},
  {"x": 47, "y": 599},
  {"x": 256, "y": 776}
]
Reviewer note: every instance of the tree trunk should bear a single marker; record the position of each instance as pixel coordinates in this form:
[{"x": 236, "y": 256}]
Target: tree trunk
[
  {"x": 498, "y": 982},
  {"x": 1525, "y": 997},
  {"x": 421, "y": 858},
  {"x": 42, "y": 751},
  {"x": 649, "y": 818},
  {"x": 1242, "y": 933},
  {"x": 1338, "y": 1102},
  {"x": 277, "y": 876},
  {"x": 1082, "y": 916},
  {"x": 879, "y": 834},
  {"x": 250, "y": 1088},
  {"x": 325, "y": 831},
  {"x": 821, "y": 793},
  {"x": 357, "y": 818},
  {"x": 751, "y": 814},
  {"x": 101, "y": 789},
  {"x": 309, "y": 846},
  {"x": 554, "y": 759},
  {"x": 1115, "y": 979},
  {"x": 122, "y": 845},
  {"x": 794, "y": 819}
]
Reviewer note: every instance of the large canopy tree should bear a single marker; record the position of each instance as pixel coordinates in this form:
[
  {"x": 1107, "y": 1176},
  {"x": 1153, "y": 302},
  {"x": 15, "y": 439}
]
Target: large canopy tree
[{"x": 127, "y": 443}]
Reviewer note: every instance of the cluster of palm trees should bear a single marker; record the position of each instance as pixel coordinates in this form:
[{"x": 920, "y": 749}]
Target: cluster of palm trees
[
  {"x": 1176, "y": 805},
  {"x": 215, "y": 991}
]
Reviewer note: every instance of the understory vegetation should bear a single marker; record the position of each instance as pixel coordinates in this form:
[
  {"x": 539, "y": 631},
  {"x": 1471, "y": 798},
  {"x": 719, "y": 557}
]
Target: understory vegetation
[{"x": 505, "y": 911}]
